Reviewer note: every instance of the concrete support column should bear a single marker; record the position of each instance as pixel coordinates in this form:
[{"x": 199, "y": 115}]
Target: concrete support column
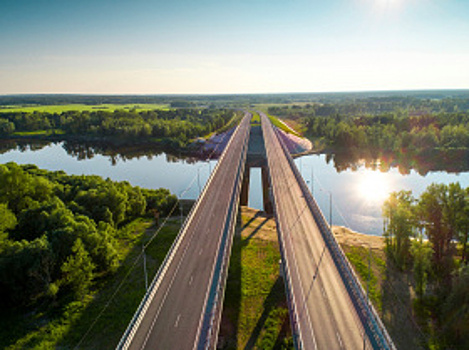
[
  {"x": 268, "y": 208},
  {"x": 244, "y": 197}
]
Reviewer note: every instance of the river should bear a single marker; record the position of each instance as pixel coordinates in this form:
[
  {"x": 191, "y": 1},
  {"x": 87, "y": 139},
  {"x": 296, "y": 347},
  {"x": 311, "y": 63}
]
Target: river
[{"x": 356, "y": 194}]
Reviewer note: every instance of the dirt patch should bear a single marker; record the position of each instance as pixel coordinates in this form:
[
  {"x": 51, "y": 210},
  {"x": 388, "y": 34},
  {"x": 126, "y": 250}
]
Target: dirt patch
[
  {"x": 256, "y": 224},
  {"x": 345, "y": 236}
]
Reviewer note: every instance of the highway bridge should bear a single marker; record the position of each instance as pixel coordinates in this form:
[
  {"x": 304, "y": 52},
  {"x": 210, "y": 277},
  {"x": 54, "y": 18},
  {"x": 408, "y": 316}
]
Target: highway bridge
[{"x": 328, "y": 307}]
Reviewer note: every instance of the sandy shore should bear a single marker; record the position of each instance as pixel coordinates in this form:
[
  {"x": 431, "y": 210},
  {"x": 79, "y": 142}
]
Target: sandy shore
[{"x": 264, "y": 227}]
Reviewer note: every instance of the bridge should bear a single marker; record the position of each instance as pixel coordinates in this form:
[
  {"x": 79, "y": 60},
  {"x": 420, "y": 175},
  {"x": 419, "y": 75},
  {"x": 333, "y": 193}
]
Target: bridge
[{"x": 328, "y": 307}]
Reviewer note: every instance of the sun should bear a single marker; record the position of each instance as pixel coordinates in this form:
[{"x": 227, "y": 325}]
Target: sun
[
  {"x": 387, "y": 4},
  {"x": 373, "y": 186}
]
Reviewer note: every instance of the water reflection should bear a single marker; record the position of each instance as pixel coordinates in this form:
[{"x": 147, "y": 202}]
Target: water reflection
[
  {"x": 359, "y": 185},
  {"x": 430, "y": 160},
  {"x": 359, "y": 190},
  {"x": 373, "y": 186},
  {"x": 113, "y": 151}
]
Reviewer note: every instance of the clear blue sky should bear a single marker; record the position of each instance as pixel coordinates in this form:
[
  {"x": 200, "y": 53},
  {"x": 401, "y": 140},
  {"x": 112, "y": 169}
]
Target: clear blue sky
[{"x": 232, "y": 46}]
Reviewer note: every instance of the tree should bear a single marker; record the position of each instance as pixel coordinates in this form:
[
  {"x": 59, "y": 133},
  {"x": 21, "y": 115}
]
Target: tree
[
  {"x": 455, "y": 313},
  {"x": 438, "y": 209},
  {"x": 78, "y": 270},
  {"x": 398, "y": 209},
  {"x": 463, "y": 233},
  {"x": 7, "y": 221},
  {"x": 421, "y": 253},
  {"x": 25, "y": 271}
]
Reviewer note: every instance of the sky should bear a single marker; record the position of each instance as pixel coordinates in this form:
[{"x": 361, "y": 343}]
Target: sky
[{"x": 232, "y": 46}]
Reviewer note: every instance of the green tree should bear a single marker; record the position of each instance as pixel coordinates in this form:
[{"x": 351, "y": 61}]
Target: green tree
[
  {"x": 421, "y": 254},
  {"x": 7, "y": 221},
  {"x": 438, "y": 209},
  {"x": 399, "y": 212},
  {"x": 455, "y": 311},
  {"x": 78, "y": 270}
]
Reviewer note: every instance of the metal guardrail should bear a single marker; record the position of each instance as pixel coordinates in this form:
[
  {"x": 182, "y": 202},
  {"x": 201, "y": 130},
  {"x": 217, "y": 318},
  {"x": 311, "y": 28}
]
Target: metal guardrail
[
  {"x": 215, "y": 300},
  {"x": 129, "y": 333},
  {"x": 292, "y": 305},
  {"x": 370, "y": 319}
]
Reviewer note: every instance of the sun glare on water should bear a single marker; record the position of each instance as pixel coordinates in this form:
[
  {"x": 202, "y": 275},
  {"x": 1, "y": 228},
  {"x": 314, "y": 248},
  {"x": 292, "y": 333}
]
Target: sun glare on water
[{"x": 373, "y": 186}]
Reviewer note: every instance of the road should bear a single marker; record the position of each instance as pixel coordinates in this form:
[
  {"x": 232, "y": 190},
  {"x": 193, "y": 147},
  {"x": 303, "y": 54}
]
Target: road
[
  {"x": 183, "y": 306},
  {"x": 324, "y": 316}
]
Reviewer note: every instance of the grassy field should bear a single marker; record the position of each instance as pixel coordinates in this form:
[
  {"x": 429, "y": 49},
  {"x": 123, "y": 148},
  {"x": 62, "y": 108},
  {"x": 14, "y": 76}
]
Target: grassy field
[
  {"x": 256, "y": 119},
  {"x": 255, "y": 314},
  {"x": 81, "y": 107},
  {"x": 282, "y": 126},
  {"x": 38, "y": 133}
]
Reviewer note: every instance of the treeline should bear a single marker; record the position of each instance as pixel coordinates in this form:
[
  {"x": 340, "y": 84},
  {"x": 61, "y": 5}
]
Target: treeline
[
  {"x": 177, "y": 125},
  {"x": 58, "y": 233},
  {"x": 430, "y": 236},
  {"x": 385, "y": 124}
]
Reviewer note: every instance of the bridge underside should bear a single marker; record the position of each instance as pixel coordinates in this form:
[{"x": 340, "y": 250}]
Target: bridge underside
[{"x": 256, "y": 158}]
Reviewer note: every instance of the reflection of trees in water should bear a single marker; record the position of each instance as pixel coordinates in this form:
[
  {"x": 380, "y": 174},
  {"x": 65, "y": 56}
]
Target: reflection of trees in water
[
  {"x": 22, "y": 146},
  {"x": 122, "y": 153},
  {"x": 115, "y": 152},
  {"x": 449, "y": 160}
]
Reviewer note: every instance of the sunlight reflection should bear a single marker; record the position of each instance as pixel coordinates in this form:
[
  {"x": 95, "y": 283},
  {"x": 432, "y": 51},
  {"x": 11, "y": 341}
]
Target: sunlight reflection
[{"x": 373, "y": 186}]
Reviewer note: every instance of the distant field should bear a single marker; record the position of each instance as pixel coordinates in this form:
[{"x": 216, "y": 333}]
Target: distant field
[{"x": 82, "y": 107}]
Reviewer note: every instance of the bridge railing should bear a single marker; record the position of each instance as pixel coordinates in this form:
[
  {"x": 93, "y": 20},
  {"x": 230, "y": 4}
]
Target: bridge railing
[
  {"x": 291, "y": 301},
  {"x": 216, "y": 294},
  {"x": 370, "y": 319}
]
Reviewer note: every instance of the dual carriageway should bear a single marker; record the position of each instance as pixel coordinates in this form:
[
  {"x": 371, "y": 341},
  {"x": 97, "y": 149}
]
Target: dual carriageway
[{"x": 328, "y": 307}]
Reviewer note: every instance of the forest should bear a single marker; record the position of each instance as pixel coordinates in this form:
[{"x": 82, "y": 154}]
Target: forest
[
  {"x": 59, "y": 233},
  {"x": 429, "y": 236},
  {"x": 174, "y": 127},
  {"x": 387, "y": 124}
]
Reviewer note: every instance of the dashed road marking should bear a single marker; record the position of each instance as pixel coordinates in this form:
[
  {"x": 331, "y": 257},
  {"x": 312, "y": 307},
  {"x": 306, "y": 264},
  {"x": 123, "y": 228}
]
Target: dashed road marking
[
  {"x": 177, "y": 321},
  {"x": 340, "y": 340}
]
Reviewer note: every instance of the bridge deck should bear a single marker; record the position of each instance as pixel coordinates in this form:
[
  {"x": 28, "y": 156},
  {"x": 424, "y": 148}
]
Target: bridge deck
[
  {"x": 324, "y": 316},
  {"x": 181, "y": 310}
]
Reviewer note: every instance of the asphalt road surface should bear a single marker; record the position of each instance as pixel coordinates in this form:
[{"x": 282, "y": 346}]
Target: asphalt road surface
[
  {"x": 325, "y": 315},
  {"x": 174, "y": 315}
]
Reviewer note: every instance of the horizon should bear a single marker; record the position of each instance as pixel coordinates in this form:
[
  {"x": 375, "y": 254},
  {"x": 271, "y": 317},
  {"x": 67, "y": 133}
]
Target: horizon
[
  {"x": 232, "y": 47},
  {"x": 411, "y": 91}
]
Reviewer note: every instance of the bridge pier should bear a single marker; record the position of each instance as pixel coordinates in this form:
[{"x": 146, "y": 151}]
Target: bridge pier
[
  {"x": 244, "y": 197},
  {"x": 268, "y": 207}
]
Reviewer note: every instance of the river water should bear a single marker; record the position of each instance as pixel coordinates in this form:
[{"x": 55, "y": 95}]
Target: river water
[{"x": 356, "y": 195}]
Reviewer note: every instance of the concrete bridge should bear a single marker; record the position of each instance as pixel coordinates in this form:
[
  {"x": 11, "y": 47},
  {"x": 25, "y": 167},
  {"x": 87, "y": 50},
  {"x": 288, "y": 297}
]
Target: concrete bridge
[{"x": 328, "y": 307}]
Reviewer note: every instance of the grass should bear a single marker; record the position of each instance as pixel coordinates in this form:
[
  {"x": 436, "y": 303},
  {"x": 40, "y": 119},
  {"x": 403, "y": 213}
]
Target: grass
[
  {"x": 358, "y": 257},
  {"x": 282, "y": 126},
  {"x": 68, "y": 325},
  {"x": 81, "y": 107},
  {"x": 256, "y": 119},
  {"x": 38, "y": 133},
  {"x": 255, "y": 314}
]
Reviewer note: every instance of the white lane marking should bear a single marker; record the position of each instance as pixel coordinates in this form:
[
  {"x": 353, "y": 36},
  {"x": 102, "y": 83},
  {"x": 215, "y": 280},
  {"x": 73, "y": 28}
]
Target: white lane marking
[
  {"x": 177, "y": 321},
  {"x": 340, "y": 340},
  {"x": 190, "y": 281}
]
